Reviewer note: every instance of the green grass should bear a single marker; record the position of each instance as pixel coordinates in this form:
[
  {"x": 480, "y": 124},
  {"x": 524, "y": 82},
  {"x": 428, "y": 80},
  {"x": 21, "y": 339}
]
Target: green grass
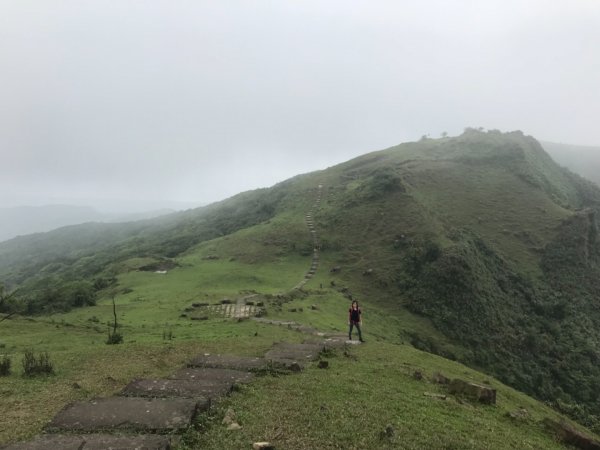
[
  {"x": 492, "y": 206},
  {"x": 349, "y": 405},
  {"x": 346, "y": 406}
]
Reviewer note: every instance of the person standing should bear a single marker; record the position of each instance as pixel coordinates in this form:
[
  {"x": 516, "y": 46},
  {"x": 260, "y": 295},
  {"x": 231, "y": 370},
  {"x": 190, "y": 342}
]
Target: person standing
[{"x": 355, "y": 320}]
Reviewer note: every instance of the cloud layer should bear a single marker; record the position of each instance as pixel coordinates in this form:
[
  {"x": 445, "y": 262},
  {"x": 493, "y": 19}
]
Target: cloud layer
[{"x": 197, "y": 100}]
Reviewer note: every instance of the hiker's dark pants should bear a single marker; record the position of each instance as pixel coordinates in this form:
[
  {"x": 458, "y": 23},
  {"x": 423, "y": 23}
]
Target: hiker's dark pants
[{"x": 357, "y": 325}]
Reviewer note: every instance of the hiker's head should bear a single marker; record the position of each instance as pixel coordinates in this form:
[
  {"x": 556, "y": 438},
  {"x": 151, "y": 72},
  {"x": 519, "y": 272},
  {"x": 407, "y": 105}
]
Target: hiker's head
[{"x": 354, "y": 304}]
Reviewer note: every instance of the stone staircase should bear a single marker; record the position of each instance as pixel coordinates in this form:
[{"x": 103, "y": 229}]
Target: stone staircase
[
  {"x": 315, "y": 239},
  {"x": 151, "y": 413}
]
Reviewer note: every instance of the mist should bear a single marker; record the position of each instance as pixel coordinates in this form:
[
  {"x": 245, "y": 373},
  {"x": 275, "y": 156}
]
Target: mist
[{"x": 154, "y": 103}]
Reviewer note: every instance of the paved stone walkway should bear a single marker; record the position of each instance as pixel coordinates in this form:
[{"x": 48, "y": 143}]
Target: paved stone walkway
[
  {"x": 315, "y": 240},
  {"x": 148, "y": 409}
]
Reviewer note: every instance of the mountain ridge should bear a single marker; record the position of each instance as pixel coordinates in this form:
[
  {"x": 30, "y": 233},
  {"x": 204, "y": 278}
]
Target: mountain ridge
[{"x": 483, "y": 235}]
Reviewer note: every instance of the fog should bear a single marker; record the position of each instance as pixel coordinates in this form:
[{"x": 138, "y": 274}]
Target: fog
[{"x": 155, "y": 102}]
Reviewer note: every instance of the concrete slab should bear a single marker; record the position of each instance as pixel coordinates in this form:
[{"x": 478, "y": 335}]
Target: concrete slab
[
  {"x": 49, "y": 441},
  {"x": 200, "y": 389},
  {"x": 211, "y": 374},
  {"x": 93, "y": 442},
  {"x": 123, "y": 413},
  {"x": 246, "y": 363},
  {"x": 300, "y": 353}
]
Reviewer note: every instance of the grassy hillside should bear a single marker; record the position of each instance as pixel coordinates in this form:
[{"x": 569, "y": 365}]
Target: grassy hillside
[
  {"x": 367, "y": 398},
  {"x": 478, "y": 248}
]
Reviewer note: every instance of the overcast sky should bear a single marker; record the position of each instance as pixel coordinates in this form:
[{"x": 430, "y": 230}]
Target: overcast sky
[{"x": 197, "y": 100}]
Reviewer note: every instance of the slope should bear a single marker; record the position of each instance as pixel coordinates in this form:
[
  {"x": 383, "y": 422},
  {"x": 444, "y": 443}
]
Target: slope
[{"x": 480, "y": 246}]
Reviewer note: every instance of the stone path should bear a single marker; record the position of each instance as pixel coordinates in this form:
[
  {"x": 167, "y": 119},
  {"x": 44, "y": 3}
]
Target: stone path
[
  {"x": 156, "y": 407},
  {"x": 315, "y": 240},
  {"x": 242, "y": 308},
  {"x": 330, "y": 339},
  {"x": 94, "y": 442}
]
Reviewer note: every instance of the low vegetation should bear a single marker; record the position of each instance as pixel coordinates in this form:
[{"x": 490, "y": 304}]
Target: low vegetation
[
  {"x": 479, "y": 247},
  {"x": 34, "y": 365}
]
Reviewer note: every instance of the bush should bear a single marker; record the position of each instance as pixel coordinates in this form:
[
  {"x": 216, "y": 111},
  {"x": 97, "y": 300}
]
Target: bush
[
  {"x": 37, "y": 365},
  {"x": 5, "y": 366},
  {"x": 114, "y": 338}
]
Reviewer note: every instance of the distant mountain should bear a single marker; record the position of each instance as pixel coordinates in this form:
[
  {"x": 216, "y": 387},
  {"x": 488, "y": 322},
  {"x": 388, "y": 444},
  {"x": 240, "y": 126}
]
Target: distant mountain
[
  {"x": 24, "y": 220},
  {"x": 581, "y": 159}
]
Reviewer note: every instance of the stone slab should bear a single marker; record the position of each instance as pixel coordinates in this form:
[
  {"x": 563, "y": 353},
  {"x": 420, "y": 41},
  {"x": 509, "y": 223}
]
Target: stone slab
[
  {"x": 163, "y": 388},
  {"x": 124, "y": 413},
  {"x": 212, "y": 374},
  {"x": 483, "y": 394},
  {"x": 294, "y": 352},
  {"x": 228, "y": 362},
  {"x": 93, "y": 442}
]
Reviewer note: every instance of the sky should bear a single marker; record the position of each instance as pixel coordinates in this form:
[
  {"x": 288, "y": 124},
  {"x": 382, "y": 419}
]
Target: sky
[{"x": 147, "y": 103}]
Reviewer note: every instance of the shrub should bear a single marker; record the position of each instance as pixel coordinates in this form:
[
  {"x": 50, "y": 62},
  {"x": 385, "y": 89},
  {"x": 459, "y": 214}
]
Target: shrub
[
  {"x": 5, "y": 366},
  {"x": 37, "y": 365},
  {"x": 114, "y": 338}
]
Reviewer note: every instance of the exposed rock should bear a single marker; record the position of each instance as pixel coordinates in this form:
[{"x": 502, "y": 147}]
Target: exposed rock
[
  {"x": 234, "y": 426},
  {"x": 213, "y": 375},
  {"x": 518, "y": 414},
  {"x": 483, "y": 394},
  {"x": 93, "y": 442},
  {"x": 434, "y": 395},
  {"x": 368, "y": 272},
  {"x": 294, "y": 356},
  {"x": 177, "y": 388},
  {"x": 569, "y": 435},
  {"x": 135, "y": 414},
  {"x": 314, "y": 307},
  {"x": 440, "y": 378},
  {"x": 263, "y": 446},
  {"x": 229, "y": 417},
  {"x": 228, "y": 362}
]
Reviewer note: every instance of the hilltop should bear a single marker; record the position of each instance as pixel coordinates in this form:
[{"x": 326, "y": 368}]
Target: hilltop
[{"x": 478, "y": 248}]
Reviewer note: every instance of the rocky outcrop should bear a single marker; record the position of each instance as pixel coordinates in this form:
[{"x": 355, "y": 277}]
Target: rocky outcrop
[{"x": 473, "y": 391}]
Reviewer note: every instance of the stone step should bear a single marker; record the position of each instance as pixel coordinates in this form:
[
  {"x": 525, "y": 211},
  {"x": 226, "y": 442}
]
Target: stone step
[
  {"x": 247, "y": 363},
  {"x": 126, "y": 413},
  {"x": 162, "y": 388},
  {"x": 210, "y": 374},
  {"x": 93, "y": 442},
  {"x": 286, "y": 353}
]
